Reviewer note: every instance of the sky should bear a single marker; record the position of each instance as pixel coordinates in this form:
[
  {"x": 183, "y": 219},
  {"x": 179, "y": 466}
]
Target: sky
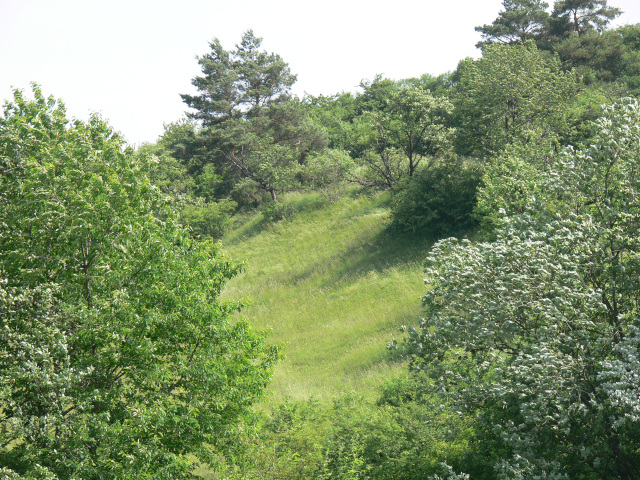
[{"x": 130, "y": 60}]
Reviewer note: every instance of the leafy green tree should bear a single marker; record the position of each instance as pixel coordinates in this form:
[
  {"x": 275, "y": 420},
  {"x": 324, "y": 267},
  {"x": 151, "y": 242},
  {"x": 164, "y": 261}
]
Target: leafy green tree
[
  {"x": 335, "y": 115},
  {"x": 521, "y": 20},
  {"x": 376, "y": 94},
  {"x": 405, "y": 125},
  {"x": 269, "y": 149},
  {"x": 537, "y": 333},
  {"x": 272, "y": 167},
  {"x": 117, "y": 359},
  {"x": 415, "y": 122},
  {"x": 514, "y": 94}
]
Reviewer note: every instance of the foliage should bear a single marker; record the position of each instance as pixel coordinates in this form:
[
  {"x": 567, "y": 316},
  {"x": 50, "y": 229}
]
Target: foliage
[
  {"x": 383, "y": 168},
  {"x": 631, "y": 57},
  {"x": 334, "y": 115},
  {"x": 238, "y": 83},
  {"x": 536, "y": 332},
  {"x": 248, "y": 194},
  {"x": 208, "y": 219},
  {"x": 582, "y": 16},
  {"x": 203, "y": 215},
  {"x": 596, "y": 57},
  {"x": 271, "y": 166},
  {"x": 403, "y": 125},
  {"x": 604, "y": 57},
  {"x": 353, "y": 438},
  {"x": 117, "y": 358},
  {"x": 415, "y": 123},
  {"x": 325, "y": 172},
  {"x": 521, "y": 20},
  {"x": 166, "y": 172},
  {"x": 252, "y": 127},
  {"x": 274, "y": 212},
  {"x": 514, "y": 94},
  {"x": 440, "y": 200},
  {"x": 509, "y": 183}
]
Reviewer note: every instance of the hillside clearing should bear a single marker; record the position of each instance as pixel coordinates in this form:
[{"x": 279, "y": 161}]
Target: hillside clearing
[{"x": 332, "y": 285}]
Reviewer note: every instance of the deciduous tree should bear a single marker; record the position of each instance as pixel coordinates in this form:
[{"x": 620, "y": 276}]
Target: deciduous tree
[
  {"x": 406, "y": 124},
  {"x": 538, "y": 332},
  {"x": 117, "y": 358},
  {"x": 514, "y": 94}
]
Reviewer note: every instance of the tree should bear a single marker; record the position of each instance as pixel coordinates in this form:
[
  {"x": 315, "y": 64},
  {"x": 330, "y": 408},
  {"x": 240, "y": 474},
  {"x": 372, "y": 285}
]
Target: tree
[
  {"x": 238, "y": 83},
  {"x": 514, "y": 94},
  {"x": 631, "y": 57},
  {"x": 335, "y": 115},
  {"x": 251, "y": 125},
  {"x": 403, "y": 126},
  {"x": 117, "y": 358},
  {"x": 596, "y": 57},
  {"x": 537, "y": 333},
  {"x": 269, "y": 149},
  {"x": 521, "y": 20},
  {"x": 415, "y": 122},
  {"x": 194, "y": 197},
  {"x": 610, "y": 57},
  {"x": 272, "y": 167},
  {"x": 582, "y": 16}
]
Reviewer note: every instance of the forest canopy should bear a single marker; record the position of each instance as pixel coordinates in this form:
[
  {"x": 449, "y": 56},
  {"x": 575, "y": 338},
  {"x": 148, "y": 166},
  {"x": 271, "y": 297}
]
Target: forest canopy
[{"x": 117, "y": 360}]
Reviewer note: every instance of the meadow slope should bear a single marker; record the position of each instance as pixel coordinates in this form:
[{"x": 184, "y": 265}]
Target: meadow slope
[{"x": 332, "y": 284}]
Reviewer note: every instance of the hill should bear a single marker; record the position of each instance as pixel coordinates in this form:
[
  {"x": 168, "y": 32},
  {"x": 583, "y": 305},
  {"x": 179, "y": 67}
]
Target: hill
[{"x": 332, "y": 284}]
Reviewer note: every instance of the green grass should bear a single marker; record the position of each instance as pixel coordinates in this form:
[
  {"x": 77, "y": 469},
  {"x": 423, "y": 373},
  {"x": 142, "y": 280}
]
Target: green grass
[{"x": 332, "y": 285}]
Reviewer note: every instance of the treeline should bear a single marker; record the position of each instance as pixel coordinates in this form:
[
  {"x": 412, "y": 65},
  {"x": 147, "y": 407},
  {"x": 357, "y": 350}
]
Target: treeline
[{"x": 539, "y": 84}]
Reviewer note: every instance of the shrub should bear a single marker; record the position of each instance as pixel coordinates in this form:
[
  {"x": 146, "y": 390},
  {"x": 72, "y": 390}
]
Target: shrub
[
  {"x": 439, "y": 200},
  {"x": 208, "y": 219},
  {"x": 247, "y": 193},
  {"x": 276, "y": 211}
]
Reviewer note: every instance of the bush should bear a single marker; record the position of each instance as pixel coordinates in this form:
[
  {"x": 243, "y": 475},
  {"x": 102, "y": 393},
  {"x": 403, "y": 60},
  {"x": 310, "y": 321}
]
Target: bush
[
  {"x": 439, "y": 200},
  {"x": 208, "y": 219},
  {"x": 325, "y": 172},
  {"x": 404, "y": 436},
  {"x": 276, "y": 211},
  {"x": 248, "y": 194}
]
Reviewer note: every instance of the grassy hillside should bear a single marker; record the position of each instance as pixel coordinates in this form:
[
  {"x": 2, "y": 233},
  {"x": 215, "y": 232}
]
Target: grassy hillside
[{"x": 332, "y": 285}]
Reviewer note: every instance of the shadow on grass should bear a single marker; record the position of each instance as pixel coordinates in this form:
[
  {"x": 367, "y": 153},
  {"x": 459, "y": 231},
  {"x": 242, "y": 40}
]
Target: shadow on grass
[
  {"x": 252, "y": 223},
  {"x": 378, "y": 253},
  {"x": 388, "y": 249},
  {"x": 385, "y": 250}
]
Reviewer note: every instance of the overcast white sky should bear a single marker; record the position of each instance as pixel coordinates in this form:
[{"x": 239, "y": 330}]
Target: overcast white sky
[{"x": 130, "y": 59}]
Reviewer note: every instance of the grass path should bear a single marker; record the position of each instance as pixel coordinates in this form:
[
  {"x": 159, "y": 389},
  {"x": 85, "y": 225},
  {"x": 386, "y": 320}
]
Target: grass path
[{"x": 332, "y": 286}]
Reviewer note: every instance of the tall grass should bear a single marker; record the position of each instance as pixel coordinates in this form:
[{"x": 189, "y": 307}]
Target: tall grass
[{"x": 332, "y": 285}]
